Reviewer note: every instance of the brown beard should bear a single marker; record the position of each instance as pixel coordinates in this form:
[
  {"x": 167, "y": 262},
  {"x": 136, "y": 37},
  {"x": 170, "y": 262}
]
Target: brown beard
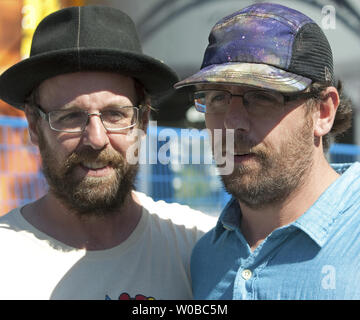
[
  {"x": 279, "y": 173},
  {"x": 89, "y": 196}
]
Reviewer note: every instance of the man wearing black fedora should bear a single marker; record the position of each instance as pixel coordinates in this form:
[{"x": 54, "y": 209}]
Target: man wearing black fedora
[{"x": 86, "y": 90}]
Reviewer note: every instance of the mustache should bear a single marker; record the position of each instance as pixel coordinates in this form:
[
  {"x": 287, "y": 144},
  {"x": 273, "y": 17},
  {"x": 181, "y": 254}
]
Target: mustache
[
  {"x": 114, "y": 159},
  {"x": 242, "y": 144}
]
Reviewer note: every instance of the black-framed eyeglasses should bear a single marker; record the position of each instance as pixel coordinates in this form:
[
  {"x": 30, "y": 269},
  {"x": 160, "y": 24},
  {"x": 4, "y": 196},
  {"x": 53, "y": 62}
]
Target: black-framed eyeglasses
[
  {"x": 114, "y": 119},
  {"x": 217, "y": 101}
]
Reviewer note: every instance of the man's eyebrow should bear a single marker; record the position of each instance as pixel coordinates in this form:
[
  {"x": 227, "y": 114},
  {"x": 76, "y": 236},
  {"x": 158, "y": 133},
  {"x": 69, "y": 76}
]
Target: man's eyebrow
[
  {"x": 68, "y": 106},
  {"x": 119, "y": 104}
]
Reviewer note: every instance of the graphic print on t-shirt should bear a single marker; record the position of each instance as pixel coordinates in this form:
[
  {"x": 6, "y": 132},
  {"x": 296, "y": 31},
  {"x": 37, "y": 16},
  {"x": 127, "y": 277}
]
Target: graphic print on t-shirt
[{"x": 126, "y": 296}]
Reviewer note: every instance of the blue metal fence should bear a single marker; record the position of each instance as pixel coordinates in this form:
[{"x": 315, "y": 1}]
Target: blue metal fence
[
  {"x": 163, "y": 172},
  {"x": 20, "y": 178}
]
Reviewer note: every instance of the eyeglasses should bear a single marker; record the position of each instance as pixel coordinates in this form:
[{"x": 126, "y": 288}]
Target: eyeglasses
[
  {"x": 114, "y": 119},
  {"x": 217, "y": 101}
]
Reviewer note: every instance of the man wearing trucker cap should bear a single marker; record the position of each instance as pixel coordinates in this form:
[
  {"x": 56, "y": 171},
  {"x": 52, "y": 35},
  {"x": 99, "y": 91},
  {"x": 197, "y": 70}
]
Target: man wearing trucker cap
[{"x": 291, "y": 229}]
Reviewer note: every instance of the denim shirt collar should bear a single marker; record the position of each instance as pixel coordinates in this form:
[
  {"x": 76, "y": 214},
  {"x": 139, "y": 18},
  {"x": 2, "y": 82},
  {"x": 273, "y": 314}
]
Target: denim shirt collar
[{"x": 317, "y": 221}]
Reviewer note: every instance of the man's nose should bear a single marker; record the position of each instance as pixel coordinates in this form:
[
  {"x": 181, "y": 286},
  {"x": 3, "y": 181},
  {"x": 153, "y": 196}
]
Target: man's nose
[
  {"x": 236, "y": 116},
  {"x": 95, "y": 134}
]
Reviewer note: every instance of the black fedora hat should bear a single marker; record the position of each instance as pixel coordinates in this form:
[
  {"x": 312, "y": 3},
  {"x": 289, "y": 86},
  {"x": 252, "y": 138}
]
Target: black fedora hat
[{"x": 88, "y": 38}]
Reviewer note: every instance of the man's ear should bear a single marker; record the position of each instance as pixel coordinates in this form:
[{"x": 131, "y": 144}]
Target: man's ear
[
  {"x": 325, "y": 114},
  {"x": 32, "y": 120}
]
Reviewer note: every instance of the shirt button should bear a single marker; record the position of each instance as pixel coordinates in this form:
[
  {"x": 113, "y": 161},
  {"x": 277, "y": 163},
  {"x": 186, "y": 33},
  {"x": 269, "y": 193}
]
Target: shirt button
[{"x": 246, "y": 274}]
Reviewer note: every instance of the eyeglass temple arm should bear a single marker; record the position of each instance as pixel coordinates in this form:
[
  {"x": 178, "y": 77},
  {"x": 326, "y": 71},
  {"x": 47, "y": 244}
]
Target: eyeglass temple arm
[{"x": 42, "y": 113}]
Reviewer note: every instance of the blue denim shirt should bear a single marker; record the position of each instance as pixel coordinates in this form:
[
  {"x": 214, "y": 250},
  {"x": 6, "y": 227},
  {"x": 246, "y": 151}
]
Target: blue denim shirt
[{"x": 315, "y": 257}]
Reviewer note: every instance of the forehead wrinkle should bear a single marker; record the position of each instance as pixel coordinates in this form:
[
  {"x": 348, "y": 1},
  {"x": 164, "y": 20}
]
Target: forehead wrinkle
[
  {"x": 90, "y": 101},
  {"x": 65, "y": 89}
]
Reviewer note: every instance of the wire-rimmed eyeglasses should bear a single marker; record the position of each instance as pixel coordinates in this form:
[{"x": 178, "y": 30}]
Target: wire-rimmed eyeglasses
[
  {"x": 217, "y": 101},
  {"x": 114, "y": 119}
]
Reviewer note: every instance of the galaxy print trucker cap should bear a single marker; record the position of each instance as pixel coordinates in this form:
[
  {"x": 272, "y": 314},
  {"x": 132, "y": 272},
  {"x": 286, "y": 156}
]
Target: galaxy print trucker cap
[{"x": 268, "y": 46}]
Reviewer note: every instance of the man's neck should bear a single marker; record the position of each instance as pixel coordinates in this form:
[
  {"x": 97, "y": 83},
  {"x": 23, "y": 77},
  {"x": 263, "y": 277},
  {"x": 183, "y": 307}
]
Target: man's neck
[
  {"x": 50, "y": 216},
  {"x": 257, "y": 224}
]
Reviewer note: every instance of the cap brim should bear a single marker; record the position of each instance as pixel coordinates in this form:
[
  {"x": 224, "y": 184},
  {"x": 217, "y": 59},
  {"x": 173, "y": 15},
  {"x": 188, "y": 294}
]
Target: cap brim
[{"x": 251, "y": 74}]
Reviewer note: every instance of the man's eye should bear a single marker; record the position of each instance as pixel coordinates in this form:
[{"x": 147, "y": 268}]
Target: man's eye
[
  {"x": 75, "y": 115},
  {"x": 115, "y": 115},
  {"x": 70, "y": 116},
  {"x": 218, "y": 98},
  {"x": 262, "y": 99},
  {"x": 266, "y": 97}
]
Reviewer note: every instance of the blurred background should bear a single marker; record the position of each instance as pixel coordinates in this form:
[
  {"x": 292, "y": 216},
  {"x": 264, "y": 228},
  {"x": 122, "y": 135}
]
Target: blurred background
[{"x": 176, "y": 32}]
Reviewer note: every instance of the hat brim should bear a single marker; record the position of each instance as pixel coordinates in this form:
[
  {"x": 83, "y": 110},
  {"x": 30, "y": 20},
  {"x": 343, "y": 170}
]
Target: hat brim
[
  {"x": 251, "y": 74},
  {"x": 17, "y": 82}
]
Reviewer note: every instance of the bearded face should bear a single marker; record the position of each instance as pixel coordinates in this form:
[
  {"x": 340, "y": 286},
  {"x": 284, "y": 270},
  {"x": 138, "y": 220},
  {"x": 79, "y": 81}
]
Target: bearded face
[
  {"x": 88, "y": 169},
  {"x": 88, "y": 195},
  {"x": 273, "y": 172}
]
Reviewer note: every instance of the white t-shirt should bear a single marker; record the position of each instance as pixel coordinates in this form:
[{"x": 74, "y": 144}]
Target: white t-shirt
[{"x": 153, "y": 263}]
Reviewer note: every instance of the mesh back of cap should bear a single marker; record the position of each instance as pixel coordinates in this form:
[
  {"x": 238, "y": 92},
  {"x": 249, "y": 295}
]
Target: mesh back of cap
[{"x": 312, "y": 56}]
